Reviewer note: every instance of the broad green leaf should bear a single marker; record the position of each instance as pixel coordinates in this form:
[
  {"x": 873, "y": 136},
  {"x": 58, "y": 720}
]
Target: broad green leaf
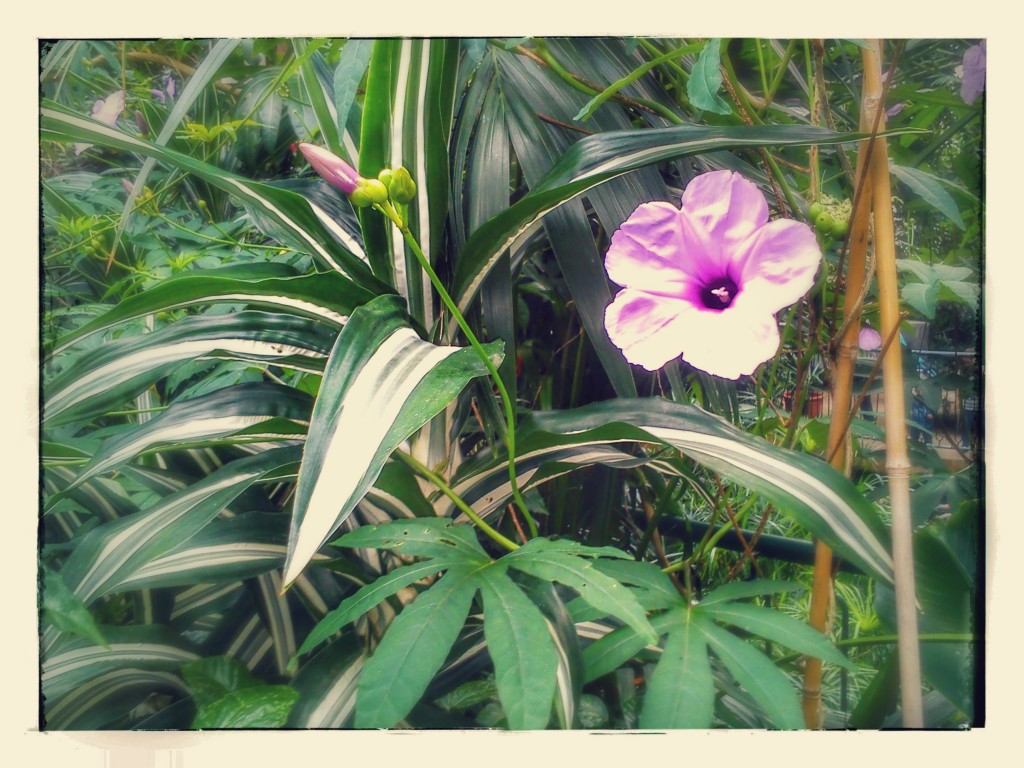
[
  {"x": 706, "y": 80},
  {"x": 429, "y": 537},
  {"x": 65, "y": 610},
  {"x": 769, "y": 687},
  {"x": 264, "y": 706},
  {"x": 596, "y": 159},
  {"x": 681, "y": 693},
  {"x": 256, "y": 409},
  {"x": 413, "y": 649},
  {"x": 656, "y": 589},
  {"x": 367, "y": 597},
  {"x": 931, "y": 190},
  {"x": 321, "y": 95},
  {"x": 296, "y": 221},
  {"x": 213, "y": 677},
  {"x": 381, "y": 384},
  {"x": 520, "y": 646},
  {"x": 778, "y": 627},
  {"x": 348, "y": 75},
  {"x": 325, "y": 296},
  {"x": 593, "y": 586},
  {"x": 608, "y": 653}
]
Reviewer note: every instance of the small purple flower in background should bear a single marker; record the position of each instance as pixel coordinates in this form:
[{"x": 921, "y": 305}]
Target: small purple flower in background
[
  {"x": 107, "y": 111},
  {"x": 973, "y": 73},
  {"x": 167, "y": 89},
  {"x": 869, "y": 339},
  {"x": 704, "y": 282}
]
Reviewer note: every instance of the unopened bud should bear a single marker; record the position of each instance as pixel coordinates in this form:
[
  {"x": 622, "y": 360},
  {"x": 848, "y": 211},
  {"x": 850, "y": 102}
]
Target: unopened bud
[
  {"x": 385, "y": 177},
  {"x": 141, "y": 123},
  {"x": 403, "y": 188},
  {"x": 374, "y": 190},
  {"x": 332, "y": 168}
]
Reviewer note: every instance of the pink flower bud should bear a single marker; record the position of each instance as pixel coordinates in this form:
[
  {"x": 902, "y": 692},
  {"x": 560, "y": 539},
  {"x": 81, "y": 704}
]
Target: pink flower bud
[{"x": 331, "y": 168}]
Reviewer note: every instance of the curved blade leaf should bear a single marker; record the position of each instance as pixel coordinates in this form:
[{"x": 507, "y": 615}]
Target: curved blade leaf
[
  {"x": 682, "y": 690},
  {"x": 596, "y": 159},
  {"x": 381, "y": 384}
]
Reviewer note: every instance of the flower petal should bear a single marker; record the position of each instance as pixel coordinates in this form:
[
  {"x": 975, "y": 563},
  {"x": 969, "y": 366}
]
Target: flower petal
[
  {"x": 728, "y": 344},
  {"x": 653, "y": 251},
  {"x": 778, "y": 264},
  {"x": 648, "y": 329},
  {"x": 729, "y": 207}
]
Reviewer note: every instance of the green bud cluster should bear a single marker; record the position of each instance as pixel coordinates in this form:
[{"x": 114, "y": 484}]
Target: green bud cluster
[
  {"x": 830, "y": 216},
  {"x": 368, "y": 192}
]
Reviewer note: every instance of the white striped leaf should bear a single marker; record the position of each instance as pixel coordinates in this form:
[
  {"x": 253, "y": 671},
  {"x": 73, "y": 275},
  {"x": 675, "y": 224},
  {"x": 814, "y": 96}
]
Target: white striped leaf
[
  {"x": 115, "y": 551},
  {"x": 109, "y": 697},
  {"x": 74, "y": 663},
  {"x": 381, "y": 384},
  {"x": 327, "y": 687},
  {"x": 324, "y": 296},
  {"x": 110, "y": 375},
  {"x": 253, "y": 410},
  {"x": 296, "y": 224},
  {"x": 407, "y": 117},
  {"x": 804, "y": 487}
]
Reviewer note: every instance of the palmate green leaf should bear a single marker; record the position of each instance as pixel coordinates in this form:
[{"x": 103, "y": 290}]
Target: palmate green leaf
[
  {"x": 593, "y": 586},
  {"x": 596, "y": 159},
  {"x": 429, "y": 537},
  {"x": 778, "y": 627},
  {"x": 111, "y": 374},
  {"x": 681, "y": 693},
  {"x": 297, "y": 222},
  {"x": 367, "y": 597},
  {"x": 706, "y": 80},
  {"x": 327, "y": 297},
  {"x": 615, "y": 648},
  {"x": 769, "y": 687},
  {"x": 381, "y": 384},
  {"x": 413, "y": 650},
  {"x": 258, "y": 410},
  {"x": 738, "y": 590},
  {"x": 521, "y": 648}
]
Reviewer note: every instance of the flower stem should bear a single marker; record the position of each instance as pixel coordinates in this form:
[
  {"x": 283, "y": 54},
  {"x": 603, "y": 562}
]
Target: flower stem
[
  {"x": 478, "y": 521},
  {"x": 510, "y": 416}
]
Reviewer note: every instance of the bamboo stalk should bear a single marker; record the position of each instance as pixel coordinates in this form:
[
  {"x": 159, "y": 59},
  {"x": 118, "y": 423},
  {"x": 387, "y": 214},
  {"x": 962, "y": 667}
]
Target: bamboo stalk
[
  {"x": 842, "y": 392},
  {"x": 897, "y": 462}
]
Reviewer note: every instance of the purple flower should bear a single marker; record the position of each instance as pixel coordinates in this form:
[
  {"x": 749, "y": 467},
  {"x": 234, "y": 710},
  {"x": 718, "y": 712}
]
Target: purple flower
[
  {"x": 705, "y": 282},
  {"x": 107, "y": 111},
  {"x": 869, "y": 339},
  {"x": 331, "y": 168},
  {"x": 974, "y": 73}
]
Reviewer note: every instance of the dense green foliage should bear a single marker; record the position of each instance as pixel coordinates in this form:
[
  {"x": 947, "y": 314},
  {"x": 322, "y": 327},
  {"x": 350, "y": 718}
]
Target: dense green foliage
[{"x": 276, "y": 474}]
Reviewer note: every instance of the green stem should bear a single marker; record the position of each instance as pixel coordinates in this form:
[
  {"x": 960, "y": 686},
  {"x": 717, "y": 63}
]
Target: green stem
[
  {"x": 457, "y": 500},
  {"x": 779, "y": 73},
  {"x": 510, "y": 416}
]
